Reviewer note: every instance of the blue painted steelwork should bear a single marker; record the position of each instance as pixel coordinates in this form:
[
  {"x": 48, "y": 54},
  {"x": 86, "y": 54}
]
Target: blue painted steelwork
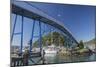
[
  {"x": 17, "y": 33},
  {"x": 38, "y": 15},
  {"x": 21, "y": 48},
  {"x": 33, "y": 13},
  {"x": 31, "y": 40},
  {"x": 44, "y": 29},
  {"x": 13, "y": 28},
  {"x": 35, "y": 36},
  {"x": 21, "y": 33},
  {"x": 40, "y": 36}
]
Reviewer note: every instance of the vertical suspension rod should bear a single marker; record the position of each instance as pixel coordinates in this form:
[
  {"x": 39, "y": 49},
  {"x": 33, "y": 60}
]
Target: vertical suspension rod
[
  {"x": 22, "y": 34},
  {"x": 13, "y": 28},
  {"x": 40, "y": 36},
  {"x": 31, "y": 40}
]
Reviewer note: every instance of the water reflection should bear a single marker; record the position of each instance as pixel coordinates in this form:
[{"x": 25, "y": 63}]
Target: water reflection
[{"x": 63, "y": 59}]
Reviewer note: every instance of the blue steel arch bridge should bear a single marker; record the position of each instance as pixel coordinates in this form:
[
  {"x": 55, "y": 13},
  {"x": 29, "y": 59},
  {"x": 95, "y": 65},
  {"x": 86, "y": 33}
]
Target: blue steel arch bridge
[{"x": 26, "y": 9}]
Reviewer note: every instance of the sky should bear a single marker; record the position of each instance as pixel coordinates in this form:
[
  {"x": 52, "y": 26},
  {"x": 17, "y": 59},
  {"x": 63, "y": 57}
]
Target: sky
[{"x": 79, "y": 19}]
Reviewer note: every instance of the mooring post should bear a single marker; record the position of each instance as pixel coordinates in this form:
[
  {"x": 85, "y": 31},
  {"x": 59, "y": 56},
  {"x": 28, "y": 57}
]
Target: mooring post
[
  {"x": 26, "y": 57},
  {"x": 43, "y": 57}
]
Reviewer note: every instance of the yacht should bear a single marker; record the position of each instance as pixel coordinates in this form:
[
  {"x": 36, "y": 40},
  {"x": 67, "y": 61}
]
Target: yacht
[{"x": 51, "y": 50}]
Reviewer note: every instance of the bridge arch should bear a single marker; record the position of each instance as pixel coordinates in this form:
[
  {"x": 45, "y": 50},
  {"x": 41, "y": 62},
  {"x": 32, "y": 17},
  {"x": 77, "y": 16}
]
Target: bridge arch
[{"x": 25, "y": 9}]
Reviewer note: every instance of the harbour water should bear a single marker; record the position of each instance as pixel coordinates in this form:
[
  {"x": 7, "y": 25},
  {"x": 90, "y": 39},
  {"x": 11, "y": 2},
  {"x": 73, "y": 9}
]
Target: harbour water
[{"x": 67, "y": 59}]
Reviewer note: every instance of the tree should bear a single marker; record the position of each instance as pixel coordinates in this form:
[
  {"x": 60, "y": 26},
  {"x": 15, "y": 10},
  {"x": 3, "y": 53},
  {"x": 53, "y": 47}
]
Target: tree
[
  {"x": 52, "y": 38},
  {"x": 62, "y": 40},
  {"x": 81, "y": 45},
  {"x": 55, "y": 36}
]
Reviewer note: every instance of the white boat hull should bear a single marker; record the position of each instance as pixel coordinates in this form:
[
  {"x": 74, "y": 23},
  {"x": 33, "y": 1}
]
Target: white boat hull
[{"x": 50, "y": 52}]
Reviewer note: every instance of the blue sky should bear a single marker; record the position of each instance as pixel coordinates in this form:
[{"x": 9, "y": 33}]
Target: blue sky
[{"x": 80, "y": 20}]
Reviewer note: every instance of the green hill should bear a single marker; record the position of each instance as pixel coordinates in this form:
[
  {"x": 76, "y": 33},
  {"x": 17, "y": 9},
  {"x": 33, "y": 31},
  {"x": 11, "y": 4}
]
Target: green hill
[
  {"x": 92, "y": 41},
  {"x": 51, "y": 38}
]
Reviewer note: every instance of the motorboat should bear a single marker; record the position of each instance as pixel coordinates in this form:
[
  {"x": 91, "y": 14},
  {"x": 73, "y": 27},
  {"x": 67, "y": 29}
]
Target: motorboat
[{"x": 51, "y": 50}]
